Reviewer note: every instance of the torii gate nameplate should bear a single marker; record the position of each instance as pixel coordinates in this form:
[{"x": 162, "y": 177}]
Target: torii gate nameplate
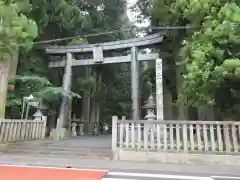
[{"x": 97, "y": 50}]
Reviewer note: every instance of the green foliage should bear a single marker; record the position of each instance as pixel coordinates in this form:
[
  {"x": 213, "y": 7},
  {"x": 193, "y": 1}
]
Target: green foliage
[
  {"x": 56, "y": 17},
  {"x": 50, "y": 94},
  {"x": 205, "y": 52},
  {"x": 30, "y": 79},
  {"x": 231, "y": 64},
  {"x": 65, "y": 18},
  {"x": 15, "y": 27},
  {"x": 78, "y": 41},
  {"x": 87, "y": 83},
  {"x": 117, "y": 94},
  {"x": 39, "y": 87},
  {"x": 209, "y": 52},
  {"x": 16, "y": 30}
]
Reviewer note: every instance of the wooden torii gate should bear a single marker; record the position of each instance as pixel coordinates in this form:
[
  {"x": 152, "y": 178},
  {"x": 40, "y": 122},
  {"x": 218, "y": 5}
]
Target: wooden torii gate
[{"x": 98, "y": 58}]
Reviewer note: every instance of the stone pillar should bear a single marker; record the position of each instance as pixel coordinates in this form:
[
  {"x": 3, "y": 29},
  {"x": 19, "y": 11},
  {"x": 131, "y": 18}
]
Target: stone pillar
[
  {"x": 159, "y": 90},
  {"x": 62, "y": 122},
  {"x": 135, "y": 83},
  {"x": 114, "y": 132}
]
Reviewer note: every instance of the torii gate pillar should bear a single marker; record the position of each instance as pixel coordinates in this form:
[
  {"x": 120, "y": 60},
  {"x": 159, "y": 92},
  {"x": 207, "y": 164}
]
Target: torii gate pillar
[
  {"x": 97, "y": 50},
  {"x": 62, "y": 128},
  {"x": 135, "y": 83}
]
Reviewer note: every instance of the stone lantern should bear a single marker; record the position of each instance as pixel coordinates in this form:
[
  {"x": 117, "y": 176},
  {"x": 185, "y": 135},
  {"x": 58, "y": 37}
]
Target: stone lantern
[
  {"x": 74, "y": 129},
  {"x": 105, "y": 128},
  {"x": 37, "y": 115},
  {"x": 150, "y": 106}
]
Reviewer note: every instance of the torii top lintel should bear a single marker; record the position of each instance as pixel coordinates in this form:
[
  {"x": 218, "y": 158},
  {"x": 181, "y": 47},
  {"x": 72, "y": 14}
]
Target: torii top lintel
[{"x": 121, "y": 44}]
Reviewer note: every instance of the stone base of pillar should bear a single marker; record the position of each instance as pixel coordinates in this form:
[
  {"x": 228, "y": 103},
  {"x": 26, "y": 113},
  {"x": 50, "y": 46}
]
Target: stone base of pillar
[{"x": 59, "y": 133}]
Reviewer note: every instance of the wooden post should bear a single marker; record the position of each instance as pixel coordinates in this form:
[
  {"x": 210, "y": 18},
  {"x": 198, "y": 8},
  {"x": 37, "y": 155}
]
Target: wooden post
[{"x": 114, "y": 132}]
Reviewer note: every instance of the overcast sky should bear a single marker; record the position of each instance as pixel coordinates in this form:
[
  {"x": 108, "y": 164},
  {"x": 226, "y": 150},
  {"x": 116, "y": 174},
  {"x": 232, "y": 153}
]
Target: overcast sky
[{"x": 132, "y": 15}]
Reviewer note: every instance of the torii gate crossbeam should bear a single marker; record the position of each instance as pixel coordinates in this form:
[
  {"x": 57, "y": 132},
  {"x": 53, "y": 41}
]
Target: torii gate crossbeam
[{"x": 98, "y": 58}]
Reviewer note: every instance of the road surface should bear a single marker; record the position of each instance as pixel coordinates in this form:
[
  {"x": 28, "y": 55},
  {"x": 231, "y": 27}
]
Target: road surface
[
  {"x": 149, "y": 175},
  {"x": 18, "y": 172},
  {"x": 122, "y": 170}
]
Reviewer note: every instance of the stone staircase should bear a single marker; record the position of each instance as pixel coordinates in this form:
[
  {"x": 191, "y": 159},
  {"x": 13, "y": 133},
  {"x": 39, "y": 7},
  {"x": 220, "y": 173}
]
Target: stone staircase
[{"x": 81, "y": 147}]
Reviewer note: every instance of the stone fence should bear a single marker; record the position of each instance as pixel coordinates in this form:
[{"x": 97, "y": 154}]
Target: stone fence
[
  {"x": 17, "y": 130},
  {"x": 174, "y": 137}
]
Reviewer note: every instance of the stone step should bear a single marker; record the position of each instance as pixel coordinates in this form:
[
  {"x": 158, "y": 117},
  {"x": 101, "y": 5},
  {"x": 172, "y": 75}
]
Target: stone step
[
  {"x": 47, "y": 149},
  {"x": 68, "y": 156},
  {"x": 74, "y": 153},
  {"x": 58, "y": 145},
  {"x": 81, "y": 147},
  {"x": 86, "y": 146},
  {"x": 59, "y": 148},
  {"x": 81, "y": 151}
]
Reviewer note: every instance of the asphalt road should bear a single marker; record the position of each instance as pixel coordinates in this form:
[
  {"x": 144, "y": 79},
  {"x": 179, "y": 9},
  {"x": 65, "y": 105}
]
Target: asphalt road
[
  {"x": 122, "y": 170},
  {"x": 158, "y": 175}
]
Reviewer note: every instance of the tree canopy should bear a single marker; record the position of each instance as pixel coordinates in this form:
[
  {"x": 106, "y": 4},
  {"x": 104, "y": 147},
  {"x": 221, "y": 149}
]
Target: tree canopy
[
  {"x": 15, "y": 28},
  {"x": 67, "y": 18},
  {"x": 207, "y": 49}
]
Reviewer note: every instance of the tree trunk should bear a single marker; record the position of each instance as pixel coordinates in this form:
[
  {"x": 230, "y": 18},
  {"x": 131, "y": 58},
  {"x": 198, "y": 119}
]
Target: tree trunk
[
  {"x": 51, "y": 121},
  {"x": 14, "y": 64},
  {"x": 182, "y": 110},
  {"x": 206, "y": 113},
  {"x": 13, "y": 69},
  {"x": 93, "y": 111},
  {"x": 98, "y": 104},
  {"x": 86, "y": 103},
  {"x": 4, "y": 77},
  {"x": 167, "y": 100},
  {"x": 70, "y": 115},
  {"x": 98, "y": 115},
  {"x": 92, "y": 116}
]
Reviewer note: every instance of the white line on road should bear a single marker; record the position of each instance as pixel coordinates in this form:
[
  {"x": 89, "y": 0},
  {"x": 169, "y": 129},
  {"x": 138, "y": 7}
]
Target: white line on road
[
  {"x": 166, "y": 176},
  {"x": 116, "y": 179},
  {"x": 225, "y": 177}
]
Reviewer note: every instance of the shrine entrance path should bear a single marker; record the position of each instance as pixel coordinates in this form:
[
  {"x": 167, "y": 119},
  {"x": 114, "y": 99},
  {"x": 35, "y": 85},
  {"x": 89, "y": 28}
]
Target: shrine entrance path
[
  {"x": 96, "y": 147},
  {"x": 40, "y": 173}
]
